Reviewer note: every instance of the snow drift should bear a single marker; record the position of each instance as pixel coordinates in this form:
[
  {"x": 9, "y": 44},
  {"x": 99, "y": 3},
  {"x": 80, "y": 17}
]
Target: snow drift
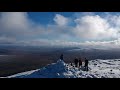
[{"x": 97, "y": 69}]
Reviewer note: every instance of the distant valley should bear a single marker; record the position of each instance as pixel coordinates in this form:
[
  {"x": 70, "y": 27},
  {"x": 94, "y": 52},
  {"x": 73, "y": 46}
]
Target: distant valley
[{"x": 18, "y": 59}]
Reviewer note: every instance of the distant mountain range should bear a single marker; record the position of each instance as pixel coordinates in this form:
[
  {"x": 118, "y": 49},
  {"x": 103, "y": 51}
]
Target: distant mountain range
[{"x": 72, "y": 52}]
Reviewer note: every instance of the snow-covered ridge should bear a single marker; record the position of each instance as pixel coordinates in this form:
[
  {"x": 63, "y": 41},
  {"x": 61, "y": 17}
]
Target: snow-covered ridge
[{"x": 97, "y": 69}]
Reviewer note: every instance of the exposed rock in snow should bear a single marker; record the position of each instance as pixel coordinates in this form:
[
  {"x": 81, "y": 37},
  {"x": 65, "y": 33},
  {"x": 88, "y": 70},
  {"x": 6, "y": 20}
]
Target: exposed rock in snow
[{"x": 97, "y": 69}]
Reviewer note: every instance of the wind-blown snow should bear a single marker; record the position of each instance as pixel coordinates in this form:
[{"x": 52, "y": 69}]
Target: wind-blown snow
[{"x": 97, "y": 69}]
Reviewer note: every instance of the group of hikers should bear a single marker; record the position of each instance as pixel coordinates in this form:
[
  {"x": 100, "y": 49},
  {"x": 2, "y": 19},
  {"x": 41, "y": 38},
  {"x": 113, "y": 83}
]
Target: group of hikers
[{"x": 78, "y": 62}]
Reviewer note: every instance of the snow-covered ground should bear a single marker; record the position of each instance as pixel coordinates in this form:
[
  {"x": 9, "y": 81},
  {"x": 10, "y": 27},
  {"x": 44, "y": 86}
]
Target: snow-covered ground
[{"x": 97, "y": 69}]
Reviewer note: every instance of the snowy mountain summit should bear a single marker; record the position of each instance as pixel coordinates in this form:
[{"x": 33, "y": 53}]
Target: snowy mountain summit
[{"x": 97, "y": 69}]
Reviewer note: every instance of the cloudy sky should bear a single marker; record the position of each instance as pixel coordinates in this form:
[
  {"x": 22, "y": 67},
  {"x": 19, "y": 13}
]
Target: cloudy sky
[{"x": 82, "y": 29}]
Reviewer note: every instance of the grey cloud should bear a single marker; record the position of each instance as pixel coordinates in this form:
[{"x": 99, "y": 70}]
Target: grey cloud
[
  {"x": 94, "y": 28},
  {"x": 16, "y": 27}
]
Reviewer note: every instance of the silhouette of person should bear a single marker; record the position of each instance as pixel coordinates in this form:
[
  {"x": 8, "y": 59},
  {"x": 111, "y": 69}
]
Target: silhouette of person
[
  {"x": 61, "y": 56},
  {"x": 71, "y": 64},
  {"x": 80, "y": 62},
  {"x": 76, "y": 62},
  {"x": 86, "y": 64}
]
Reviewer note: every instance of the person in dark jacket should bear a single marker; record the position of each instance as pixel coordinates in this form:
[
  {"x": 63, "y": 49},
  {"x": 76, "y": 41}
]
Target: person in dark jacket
[
  {"x": 71, "y": 64},
  {"x": 76, "y": 62},
  {"x": 80, "y": 62},
  {"x": 86, "y": 64},
  {"x": 61, "y": 56}
]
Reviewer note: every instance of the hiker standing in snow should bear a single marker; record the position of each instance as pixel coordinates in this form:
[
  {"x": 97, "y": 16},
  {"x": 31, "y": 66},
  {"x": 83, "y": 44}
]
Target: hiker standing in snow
[
  {"x": 76, "y": 62},
  {"x": 61, "y": 57},
  {"x": 80, "y": 62},
  {"x": 71, "y": 64},
  {"x": 86, "y": 64}
]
